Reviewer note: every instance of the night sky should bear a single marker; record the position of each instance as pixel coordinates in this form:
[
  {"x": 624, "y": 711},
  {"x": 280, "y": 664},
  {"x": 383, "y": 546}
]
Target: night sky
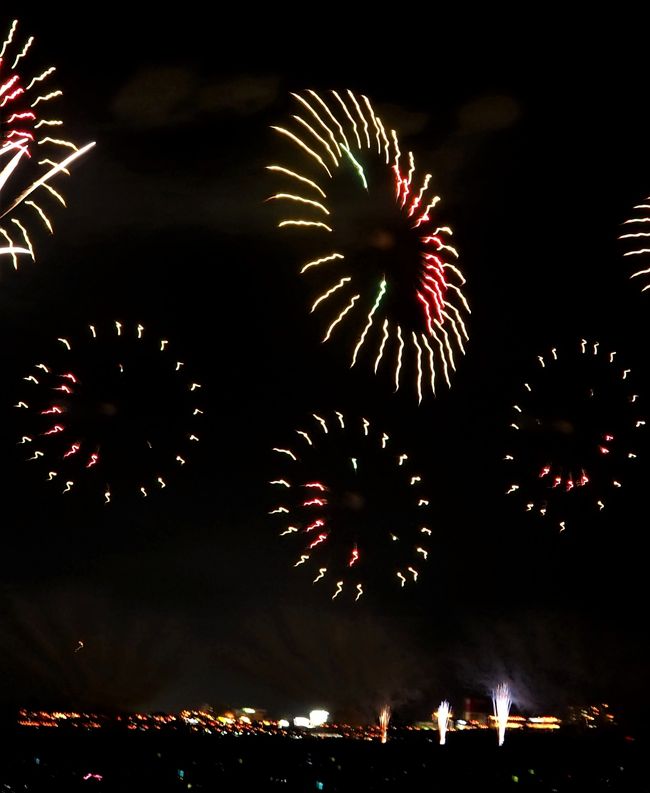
[{"x": 189, "y": 596}]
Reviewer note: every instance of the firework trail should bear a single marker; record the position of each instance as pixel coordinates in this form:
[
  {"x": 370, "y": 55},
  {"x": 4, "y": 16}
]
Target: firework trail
[
  {"x": 574, "y": 432},
  {"x": 340, "y": 137},
  {"x": 501, "y": 703},
  {"x": 32, "y": 151},
  {"x": 107, "y": 402},
  {"x": 443, "y": 714},
  {"x": 327, "y": 497},
  {"x": 384, "y": 721}
]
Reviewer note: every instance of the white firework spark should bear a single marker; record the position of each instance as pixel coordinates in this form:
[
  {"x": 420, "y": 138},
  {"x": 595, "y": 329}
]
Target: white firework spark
[
  {"x": 636, "y": 237},
  {"x": 443, "y": 715},
  {"x": 501, "y": 702},
  {"x": 384, "y": 721}
]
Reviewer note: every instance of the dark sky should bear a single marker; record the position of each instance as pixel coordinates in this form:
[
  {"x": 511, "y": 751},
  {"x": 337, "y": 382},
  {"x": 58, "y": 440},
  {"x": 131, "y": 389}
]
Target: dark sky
[{"x": 539, "y": 153}]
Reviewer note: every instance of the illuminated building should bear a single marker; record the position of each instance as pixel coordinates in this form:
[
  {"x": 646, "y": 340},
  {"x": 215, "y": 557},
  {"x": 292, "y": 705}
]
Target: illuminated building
[
  {"x": 476, "y": 711},
  {"x": 543, "y": 723}
]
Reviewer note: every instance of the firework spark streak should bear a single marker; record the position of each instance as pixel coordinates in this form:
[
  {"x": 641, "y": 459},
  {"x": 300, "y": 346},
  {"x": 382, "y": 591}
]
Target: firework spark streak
[
  {"x": 384, "y": 721},
  {"x": 30, "y": 159},
  {"x": 636, "y": 241},
  {"x": 111, "y": 404},
  {"x": 574, "y": 434},
  {"x": 443, "y": 714},
  {"x": 327, "y": 477},
  {"x": 501, "y": 703},
  {"x": 342, "y": 137}
]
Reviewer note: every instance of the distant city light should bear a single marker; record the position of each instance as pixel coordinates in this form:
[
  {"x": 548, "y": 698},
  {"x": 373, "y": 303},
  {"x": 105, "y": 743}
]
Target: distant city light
[{"x": 302, "y": 721}]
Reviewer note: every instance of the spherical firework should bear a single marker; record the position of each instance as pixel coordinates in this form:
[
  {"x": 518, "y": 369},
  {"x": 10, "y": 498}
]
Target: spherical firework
[
  {"x": 32, "y": 151},
  {"x": 636, "y": 240},
  {"x": 384, "y": 271},
  {"x": 331, "y": 497},
  {"x": 113, "y": 409},
  {"x": 573, "y": 432}
]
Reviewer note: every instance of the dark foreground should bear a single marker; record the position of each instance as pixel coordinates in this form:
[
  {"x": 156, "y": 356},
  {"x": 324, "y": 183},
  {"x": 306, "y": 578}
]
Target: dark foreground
[{"x": 53, "y": 761}]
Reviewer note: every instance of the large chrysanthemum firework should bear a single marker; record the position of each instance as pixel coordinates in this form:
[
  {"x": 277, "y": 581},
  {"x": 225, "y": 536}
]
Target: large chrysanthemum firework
[
  {"x": 636, "y": 239},
  {"x": 573, "y": 433},
  {"x": 384, "y": 271},
  {"x": 332, "y": 498},
  {"x": 113, "y": 409},
  {"x": 32, "y": 151}
]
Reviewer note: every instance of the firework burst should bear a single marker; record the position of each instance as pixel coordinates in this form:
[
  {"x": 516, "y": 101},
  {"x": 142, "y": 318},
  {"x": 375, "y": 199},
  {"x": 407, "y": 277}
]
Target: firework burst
[
  {"x": 107, "y": 405},
  {"x": 33, "y": 152},
  {"x": 443, "y": 715},
  {"x": 636, "y": 241},
  {"x": 501, "y": 703},
  {"x": 384, "y": 269},
  {"x": 384, "y": 721},
  {"x": 330, "y": 496},
  {"x": 574, "y": 432}
]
